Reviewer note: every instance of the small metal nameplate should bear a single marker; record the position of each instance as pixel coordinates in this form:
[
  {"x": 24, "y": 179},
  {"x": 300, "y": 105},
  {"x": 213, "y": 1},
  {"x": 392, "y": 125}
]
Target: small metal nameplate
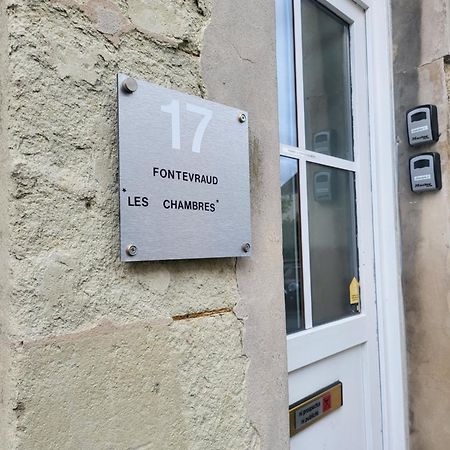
[
  {"x": 183, "y": 175},
  {"x": 314, "y": 407}
]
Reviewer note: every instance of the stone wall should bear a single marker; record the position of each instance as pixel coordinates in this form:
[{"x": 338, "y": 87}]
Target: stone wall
[
  {"x": 102, "y": 354},
  {"x": 6, "y": 396},
  {"x": 421, "y": 45}
]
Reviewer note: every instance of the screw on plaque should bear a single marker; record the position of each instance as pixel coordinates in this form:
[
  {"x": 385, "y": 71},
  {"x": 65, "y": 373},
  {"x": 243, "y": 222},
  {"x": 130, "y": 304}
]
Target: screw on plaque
[
  {"x": 246, "y": 247},
  {"x": 129, "y": 85},
  {"x": 132, "y": 250},
  {"x": 242, "y": 118}
]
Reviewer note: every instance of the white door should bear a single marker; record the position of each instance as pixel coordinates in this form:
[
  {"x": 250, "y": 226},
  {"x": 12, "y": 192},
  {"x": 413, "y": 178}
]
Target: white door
[{"x": 327, "y": 226}]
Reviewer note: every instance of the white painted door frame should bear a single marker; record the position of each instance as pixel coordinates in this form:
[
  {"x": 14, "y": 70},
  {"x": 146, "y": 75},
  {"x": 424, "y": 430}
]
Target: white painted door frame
[
  {"x": 386, "y": 227},
  {"x": 389, "y": 301}
]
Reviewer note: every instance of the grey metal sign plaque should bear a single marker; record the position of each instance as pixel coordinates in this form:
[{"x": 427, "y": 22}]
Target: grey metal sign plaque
[{"x": 183, "y": 174}]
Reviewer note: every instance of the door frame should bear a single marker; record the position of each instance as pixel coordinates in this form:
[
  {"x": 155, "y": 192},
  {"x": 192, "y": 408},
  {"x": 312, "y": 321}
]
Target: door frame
[
  {"x": 386, "y": 228},
  {"x": 386, "y": 225}
]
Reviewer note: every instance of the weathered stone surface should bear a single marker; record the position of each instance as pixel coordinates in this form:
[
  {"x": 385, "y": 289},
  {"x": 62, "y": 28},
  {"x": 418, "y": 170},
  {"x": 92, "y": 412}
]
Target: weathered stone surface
[
  {"x": 90, "y": 357},
  {"x": 160, "y": 386},
  {"x": 434, "y": 30},
  {"x": 108, "y": 18},
  {"x": 64, "y": 163},
  {"x": 420, "y": 40},
  {"x": 6, "y": 319},
  {"x": 427, "y": 283},
  {"x": 175, "y": 23},
  {"x": 239, "y": 64}
]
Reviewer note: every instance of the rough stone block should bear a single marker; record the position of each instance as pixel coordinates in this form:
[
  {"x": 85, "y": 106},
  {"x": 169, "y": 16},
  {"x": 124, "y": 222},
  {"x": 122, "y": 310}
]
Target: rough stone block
[{"x": 175, "y": 385}]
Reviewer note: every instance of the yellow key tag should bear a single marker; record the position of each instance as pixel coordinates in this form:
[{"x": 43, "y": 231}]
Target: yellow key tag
[{"x": 354, "y": 292}]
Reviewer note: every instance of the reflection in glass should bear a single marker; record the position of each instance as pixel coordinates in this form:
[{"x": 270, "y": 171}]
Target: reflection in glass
[
  {"x": 287, "y": 110},
  {"x": 326, "y": 81},
  {"x": 291, "y": 245},
  {"x": 332, "y": 242}
]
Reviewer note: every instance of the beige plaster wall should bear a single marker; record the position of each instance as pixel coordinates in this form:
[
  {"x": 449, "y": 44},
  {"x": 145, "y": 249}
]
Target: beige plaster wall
[
  {"x": 106, "y": 355},
  {"x": 420, "y": 33}
]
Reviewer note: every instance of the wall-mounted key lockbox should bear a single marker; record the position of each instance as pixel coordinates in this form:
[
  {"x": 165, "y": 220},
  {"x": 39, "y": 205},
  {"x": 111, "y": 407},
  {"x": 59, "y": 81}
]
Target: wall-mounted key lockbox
[
  {"x": 425, "y": 172},
  {"x": 422, "y": 125}
]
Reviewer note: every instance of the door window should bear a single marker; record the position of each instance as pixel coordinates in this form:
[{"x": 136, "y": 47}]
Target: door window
[
  {"x": 326, "y": 81},
  {"x": 332, "y": 241},
  {"x": 292, "y": 260},
  {"x": 318, "y": 168}
]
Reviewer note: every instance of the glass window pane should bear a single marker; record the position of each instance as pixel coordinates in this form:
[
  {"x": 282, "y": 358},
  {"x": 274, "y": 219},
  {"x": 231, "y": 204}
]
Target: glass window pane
[
  {"x": 287, "y": 111},
  {"x": 326, "y": 82},
  {"x": 291, "y": 245},
  {"x": 332, "y": 241}
]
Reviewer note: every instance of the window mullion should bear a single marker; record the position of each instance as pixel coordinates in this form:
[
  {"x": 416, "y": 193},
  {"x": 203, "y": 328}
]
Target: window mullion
[
  {"x": 299, "y": 75},
  {"x": 303, "y": 188},
  {"x": 304, "y": 231}
]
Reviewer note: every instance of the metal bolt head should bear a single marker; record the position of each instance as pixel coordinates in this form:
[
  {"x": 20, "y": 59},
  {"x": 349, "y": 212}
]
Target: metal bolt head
[
  {"x": 132, "y": 250},
  {"x": 242, "y": 118},
  {"x": 246, "y": 247},
  {"x": 129, "y": 85}
]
